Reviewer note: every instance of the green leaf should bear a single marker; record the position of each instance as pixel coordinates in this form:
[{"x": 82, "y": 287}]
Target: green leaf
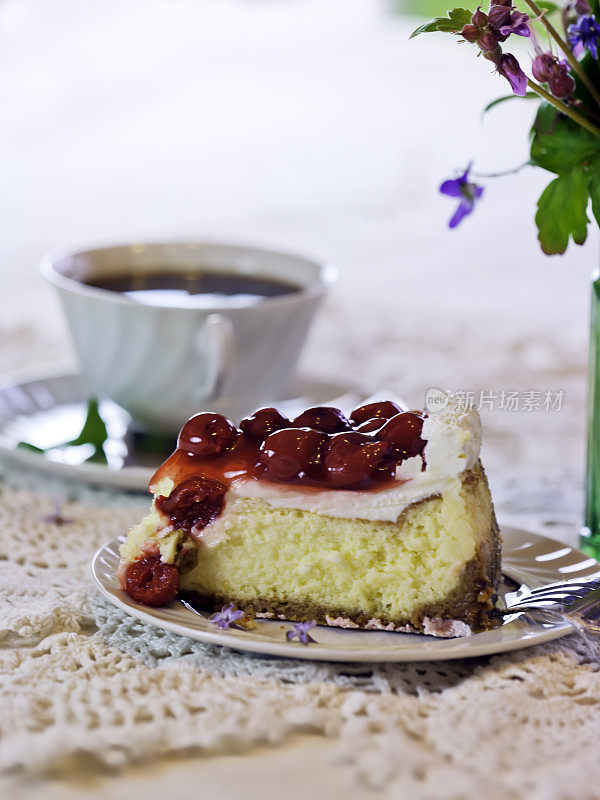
[
  {"x": 154, "y": 443},
  {"x": 453, "y": 23},
  {"x": 94, "y": 430},
  {"x": 595, "y": 195},
  {"x": 29, "y": 446},
  {"x": 546, "y": 5},
  {"x": 561, "y": 212},
  {"x": 558, "y": 144},
  {"x": 498, "y": 100}
]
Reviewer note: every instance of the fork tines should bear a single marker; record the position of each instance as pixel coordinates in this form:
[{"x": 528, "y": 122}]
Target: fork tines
[{"x": 563, "y": 592}]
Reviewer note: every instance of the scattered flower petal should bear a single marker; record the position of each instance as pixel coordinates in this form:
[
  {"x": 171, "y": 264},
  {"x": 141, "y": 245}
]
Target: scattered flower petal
[
  {"x": 56, "y": 517},
  {"x": 227, "y": 616},
  {"x": 301, "y": 631}
]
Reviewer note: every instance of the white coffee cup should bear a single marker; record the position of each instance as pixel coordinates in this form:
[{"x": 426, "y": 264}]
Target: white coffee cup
[{"x": 164, "y": 363}]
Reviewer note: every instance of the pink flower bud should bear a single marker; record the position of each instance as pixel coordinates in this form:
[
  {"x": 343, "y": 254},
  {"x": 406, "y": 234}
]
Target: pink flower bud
[
  {"x": 548, "y": 68},
  {"x": 562, "y": 85},
  {"x": 471, "y": 33},
  {"x": 541, "y": 66},
  {"x": 488, "y": 42},
  {"x": 479, "y": 18},
  {"x": 498, "y": 15}
]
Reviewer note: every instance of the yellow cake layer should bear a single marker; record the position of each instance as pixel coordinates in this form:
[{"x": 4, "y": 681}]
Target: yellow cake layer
[{"x": 379, "y": 569}]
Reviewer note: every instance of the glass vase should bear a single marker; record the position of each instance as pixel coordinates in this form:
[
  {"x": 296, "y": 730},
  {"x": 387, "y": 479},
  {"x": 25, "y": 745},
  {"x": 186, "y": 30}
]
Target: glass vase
[{"x": 590, "y": 534}]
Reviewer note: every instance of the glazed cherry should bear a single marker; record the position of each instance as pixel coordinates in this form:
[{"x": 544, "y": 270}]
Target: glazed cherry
[
  {"x": 352, "y": 459},
  {"x": 207, "y": 434},
  {"x": 150, "y": 582},
  {"x": 322, "y": 418},
  {"x": 194, "y": 503},
  {"x": 291, "y": 453},
  {"x": 403, "y": 432},
  {"x": 262, "y": 423},
  {"x": 371, "y": 425},
  {"x": 383, "y": 410}
]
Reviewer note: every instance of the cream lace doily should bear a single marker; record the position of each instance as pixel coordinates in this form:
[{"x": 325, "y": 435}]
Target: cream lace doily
[{"x": 80, "y": 679}]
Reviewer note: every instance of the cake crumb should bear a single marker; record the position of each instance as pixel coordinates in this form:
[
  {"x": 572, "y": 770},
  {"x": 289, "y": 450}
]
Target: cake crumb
[
  {"x": 340, "y": 622},
  {"x": 445, "y": 628}
]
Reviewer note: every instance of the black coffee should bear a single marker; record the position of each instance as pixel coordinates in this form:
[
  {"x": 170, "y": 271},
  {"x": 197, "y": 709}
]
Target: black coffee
[{"x": 194, "y": 289}]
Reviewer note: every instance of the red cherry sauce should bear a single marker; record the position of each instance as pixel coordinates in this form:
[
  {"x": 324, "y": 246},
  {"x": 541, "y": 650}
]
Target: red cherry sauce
[{"x": 271, "y": 448}]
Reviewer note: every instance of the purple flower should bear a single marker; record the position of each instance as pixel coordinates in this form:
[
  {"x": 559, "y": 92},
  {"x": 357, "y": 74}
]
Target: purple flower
[
  {"x": 508, "y": 66},
  {"x": 226, "y": 616},
  {"x": 548, "y": 68},
  {"x": 301, "y": 630},
  {"x": 584, "y": 34},
  {"x": 467, "y": 192},
  {"x": 516, "y": 23},
  {"x": 56, "y": 517}
]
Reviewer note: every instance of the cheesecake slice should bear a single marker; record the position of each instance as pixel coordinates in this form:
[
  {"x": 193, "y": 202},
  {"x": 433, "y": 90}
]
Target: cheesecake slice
[{"x": 382, "y": 520}]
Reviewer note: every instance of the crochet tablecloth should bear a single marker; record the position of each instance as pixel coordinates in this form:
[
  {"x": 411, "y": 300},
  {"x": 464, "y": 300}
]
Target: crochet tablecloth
[{"x": 79, "y": 679}]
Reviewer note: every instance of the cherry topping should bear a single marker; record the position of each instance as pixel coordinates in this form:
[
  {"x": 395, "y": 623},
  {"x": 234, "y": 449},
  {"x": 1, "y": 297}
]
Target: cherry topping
[
  {"x": 323, "y": 418},
  {"x": 150, "y": 582},
  {"x": 207, "y": 434},
  {"x": 212, "y": 452},
  {"x": 292, "y": 452},
  {"x": 404, "y": 432},
  {"x": 371, "y": 425},
  {"x": 194, "y": 503},
  {"x": 263, "y": 422},
  {"x": 384, "y": 410},
  {"x": 352, "y": 458}
]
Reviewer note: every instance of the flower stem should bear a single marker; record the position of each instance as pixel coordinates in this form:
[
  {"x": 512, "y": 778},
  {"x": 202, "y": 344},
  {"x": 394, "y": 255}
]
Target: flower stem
[
  {"x": 504, "y": 172},
  {"x": 565, "y": 48},
  {"x": 578, "y": 118}
]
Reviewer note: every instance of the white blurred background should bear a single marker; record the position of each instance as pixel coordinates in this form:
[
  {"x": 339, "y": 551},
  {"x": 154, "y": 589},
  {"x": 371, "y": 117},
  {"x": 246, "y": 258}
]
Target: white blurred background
[{"x": 310, "y": 124}]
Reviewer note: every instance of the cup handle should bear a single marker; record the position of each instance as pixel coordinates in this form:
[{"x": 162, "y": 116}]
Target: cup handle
[{"x": 216, "y": 345}]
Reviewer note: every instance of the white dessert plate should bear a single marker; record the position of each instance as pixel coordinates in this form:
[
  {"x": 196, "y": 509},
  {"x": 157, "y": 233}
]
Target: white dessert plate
[
  {"x": 528, "y": 559},
  {"x": 49, "y": 409}
]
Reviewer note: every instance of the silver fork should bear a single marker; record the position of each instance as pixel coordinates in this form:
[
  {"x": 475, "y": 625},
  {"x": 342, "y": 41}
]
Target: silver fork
[{"x": 577, "y": 600}]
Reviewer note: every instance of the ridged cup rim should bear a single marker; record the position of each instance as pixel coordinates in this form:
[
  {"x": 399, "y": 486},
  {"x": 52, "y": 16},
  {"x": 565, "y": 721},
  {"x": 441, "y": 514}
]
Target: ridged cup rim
[{"x": 325, "y": 278}]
